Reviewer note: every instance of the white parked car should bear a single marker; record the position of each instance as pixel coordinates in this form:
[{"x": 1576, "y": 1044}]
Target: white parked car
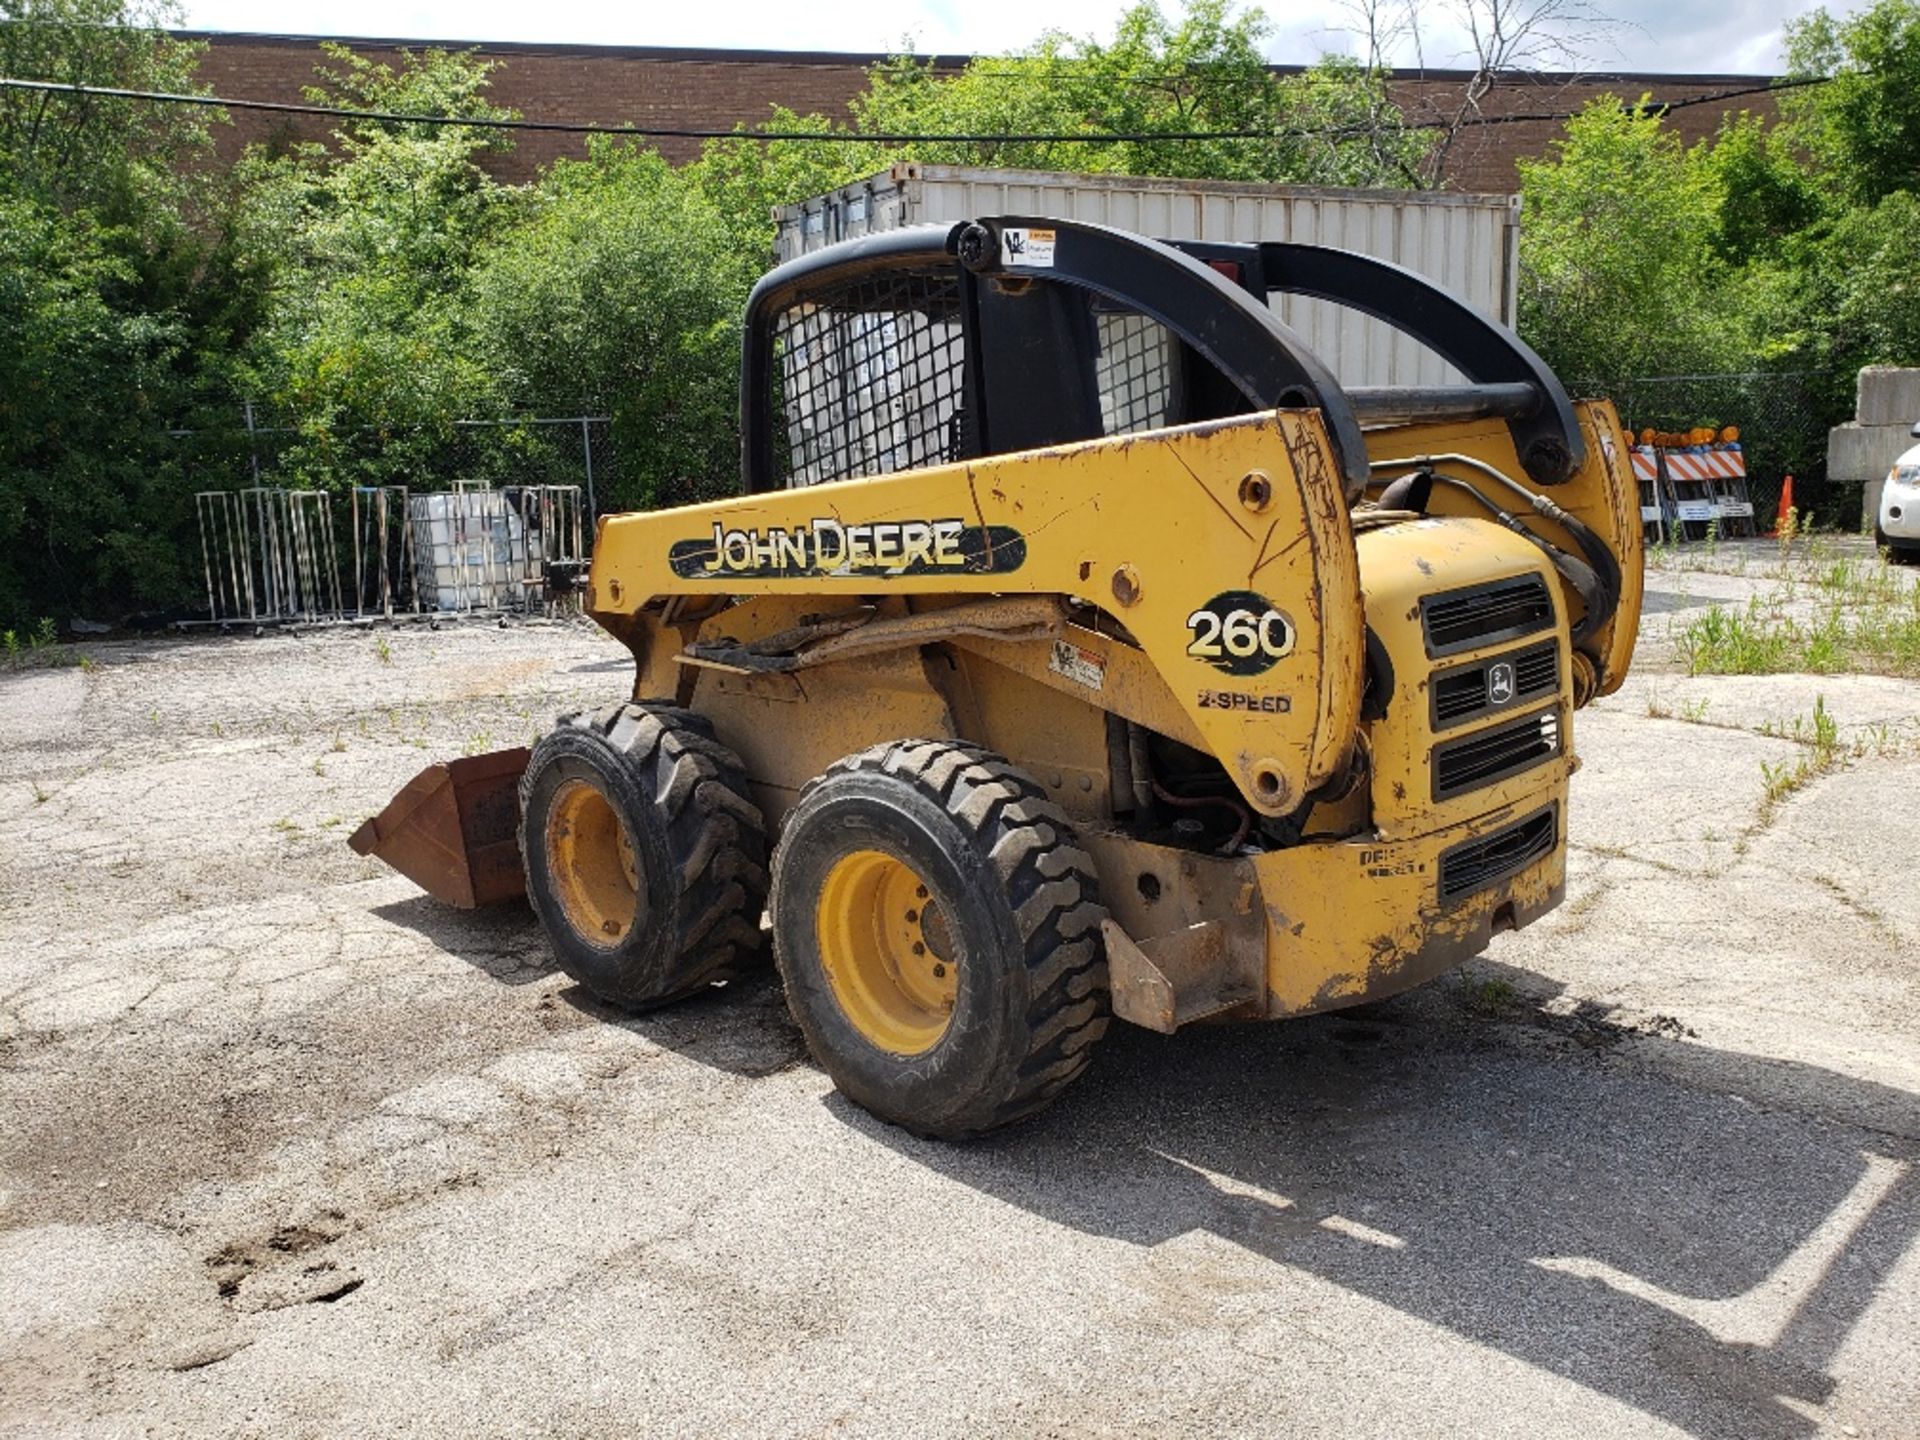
[{"x": 1897, "y": 529}]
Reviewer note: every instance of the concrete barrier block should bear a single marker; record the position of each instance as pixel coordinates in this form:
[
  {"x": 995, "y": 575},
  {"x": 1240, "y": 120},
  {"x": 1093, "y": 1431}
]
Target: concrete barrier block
[
  {"x": 1865, "y": 452},
  {"x": 1888, "y": 395}
]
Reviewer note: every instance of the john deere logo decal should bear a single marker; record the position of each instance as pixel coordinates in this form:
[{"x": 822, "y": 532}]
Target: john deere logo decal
[
  {"x": 1240, "y": 633},
  {"x": 884, "y": 548},
  {"x": 1499, "y": 683}
]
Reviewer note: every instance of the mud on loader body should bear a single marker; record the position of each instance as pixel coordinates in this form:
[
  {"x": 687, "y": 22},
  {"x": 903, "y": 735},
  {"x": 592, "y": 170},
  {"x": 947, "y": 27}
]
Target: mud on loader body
[{"x": 1087, "y": 650}]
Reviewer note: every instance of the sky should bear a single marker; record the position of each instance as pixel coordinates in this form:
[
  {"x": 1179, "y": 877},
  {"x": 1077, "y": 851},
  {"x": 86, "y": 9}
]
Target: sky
[{"x": 1670, "y": 36}]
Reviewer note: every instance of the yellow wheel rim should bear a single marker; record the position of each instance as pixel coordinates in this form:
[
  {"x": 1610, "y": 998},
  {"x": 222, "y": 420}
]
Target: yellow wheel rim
[
  {"x": 590, "y": 858},
  {"x": 887, "y": 951}
]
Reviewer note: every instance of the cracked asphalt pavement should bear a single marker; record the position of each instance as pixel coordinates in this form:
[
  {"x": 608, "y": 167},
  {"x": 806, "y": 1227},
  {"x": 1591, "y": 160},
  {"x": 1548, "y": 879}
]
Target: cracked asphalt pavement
[{"x": 286, "y": 1149}]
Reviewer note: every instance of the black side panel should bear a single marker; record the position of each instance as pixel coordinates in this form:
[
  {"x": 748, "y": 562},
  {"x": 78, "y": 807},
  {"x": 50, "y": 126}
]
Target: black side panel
[{"x": 1036, "y": 365}]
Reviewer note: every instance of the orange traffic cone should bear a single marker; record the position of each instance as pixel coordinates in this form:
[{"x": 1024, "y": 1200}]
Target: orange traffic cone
[{"x": 1786, "y": 506}]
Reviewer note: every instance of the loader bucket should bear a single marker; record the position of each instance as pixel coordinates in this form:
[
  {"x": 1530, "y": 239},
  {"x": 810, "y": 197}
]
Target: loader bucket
[{"x": 454, "y": 830}]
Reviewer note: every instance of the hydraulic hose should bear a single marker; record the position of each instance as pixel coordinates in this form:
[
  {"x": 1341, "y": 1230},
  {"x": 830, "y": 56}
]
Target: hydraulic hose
[
  {"x": 1598, "y": 601},
  {"x": 1597, "y": 582}
]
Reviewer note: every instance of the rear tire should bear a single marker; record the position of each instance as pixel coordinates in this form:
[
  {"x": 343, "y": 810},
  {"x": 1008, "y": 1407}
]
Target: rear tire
[
  {"x": 938, "y": 930},
  {"x": 645, "y": 858}
]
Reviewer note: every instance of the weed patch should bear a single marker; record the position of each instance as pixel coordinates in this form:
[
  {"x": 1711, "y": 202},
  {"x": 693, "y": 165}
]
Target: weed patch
[
  {"x": 1821, "y": 751},
  {"x": 1490, "y": 997},
  {"x": 40, "y": 645},
  {"x": 1864, "y": 619}
]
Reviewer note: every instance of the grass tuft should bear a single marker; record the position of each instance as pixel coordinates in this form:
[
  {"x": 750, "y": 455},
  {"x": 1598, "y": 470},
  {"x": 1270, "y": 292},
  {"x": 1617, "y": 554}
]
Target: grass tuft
[
  {"x": 1821, "y": 752},
  {"x": 1864, "y": 620}
]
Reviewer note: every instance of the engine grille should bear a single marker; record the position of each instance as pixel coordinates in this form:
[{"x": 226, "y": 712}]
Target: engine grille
[
  {"x": 1488, "y": 685},
  {"x": 1489, "y": 755},
  {"x": 1457, "y": 620},
  {"x": 1476, "y": 864}
]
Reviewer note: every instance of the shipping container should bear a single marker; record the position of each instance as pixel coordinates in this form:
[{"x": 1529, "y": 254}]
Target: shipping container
[{"x": 1467, "y": 243}]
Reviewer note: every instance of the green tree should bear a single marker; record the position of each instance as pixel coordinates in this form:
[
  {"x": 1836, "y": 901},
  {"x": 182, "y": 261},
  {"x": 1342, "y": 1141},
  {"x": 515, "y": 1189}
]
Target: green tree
[
  {"x": 622, "y": 294},
  {"x": 1861, "y": 125},
  {"x": 1766, "y": 195},
  {"x": 1154, "y": 80},
  {"x": 114, "y": 157},
  {"x": 1620, "y": 273},
  {"x": 371, "y": 242},
  {"x": 1819, "y": 213},
  {"x": 1845, "y": 293},
  {"x": 746, "y": 178},
  {"x": 122, "y": 296},
  {"x": 87, "y": 384}
]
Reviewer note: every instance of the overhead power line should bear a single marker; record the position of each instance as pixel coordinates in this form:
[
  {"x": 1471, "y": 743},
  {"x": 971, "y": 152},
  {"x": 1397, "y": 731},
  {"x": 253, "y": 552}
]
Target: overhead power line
[
  {"x": 669, "y": 132},
  {"x": 1652, "y": 105},
  {"x": 583, "y": 127}
]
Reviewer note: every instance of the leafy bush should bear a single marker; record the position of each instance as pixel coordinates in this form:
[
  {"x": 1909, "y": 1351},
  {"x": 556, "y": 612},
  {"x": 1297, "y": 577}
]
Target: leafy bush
[
  {"x": 1620, "y": 274},
  {"x": 113, "y": 303},
  {"x": 621, "y": 294}
]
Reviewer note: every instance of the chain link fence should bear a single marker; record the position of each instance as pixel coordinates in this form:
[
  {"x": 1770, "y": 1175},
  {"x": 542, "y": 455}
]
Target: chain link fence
[
  {"x": 308, "y": 524},
  {"x": 253, "y": 448}
]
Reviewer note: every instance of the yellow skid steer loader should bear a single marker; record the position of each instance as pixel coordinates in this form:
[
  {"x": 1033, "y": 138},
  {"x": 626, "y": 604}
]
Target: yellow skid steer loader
[{"x": 1076, "y": 647}]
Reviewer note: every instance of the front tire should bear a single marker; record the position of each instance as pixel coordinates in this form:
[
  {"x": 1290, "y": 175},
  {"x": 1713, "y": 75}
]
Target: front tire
[
  {"x": 938, "y": 930},
  {"x": 645, "y": 859}
]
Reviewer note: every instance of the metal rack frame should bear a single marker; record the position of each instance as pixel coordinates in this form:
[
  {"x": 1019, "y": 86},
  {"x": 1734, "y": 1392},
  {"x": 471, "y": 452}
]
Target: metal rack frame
[{"x": 274, "y": 557}]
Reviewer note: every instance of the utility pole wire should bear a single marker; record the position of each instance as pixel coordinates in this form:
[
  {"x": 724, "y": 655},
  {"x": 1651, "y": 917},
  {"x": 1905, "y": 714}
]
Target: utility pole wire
[{"x": 837, "y": 137}]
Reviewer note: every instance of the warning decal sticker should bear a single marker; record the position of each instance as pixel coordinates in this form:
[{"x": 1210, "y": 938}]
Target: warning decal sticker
[
  {"x": 1082, "y": 666},
  {"x": 1030, "y": 248}
]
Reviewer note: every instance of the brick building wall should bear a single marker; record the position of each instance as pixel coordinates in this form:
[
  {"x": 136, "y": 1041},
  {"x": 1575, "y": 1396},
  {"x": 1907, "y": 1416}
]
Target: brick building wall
[
  {"x": 1483, "y": 157},
  {"x": 716, "y": 89}
]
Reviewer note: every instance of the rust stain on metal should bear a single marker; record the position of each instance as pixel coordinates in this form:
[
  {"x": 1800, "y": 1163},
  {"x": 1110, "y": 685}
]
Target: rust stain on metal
[{"x": 986, "y": 530}]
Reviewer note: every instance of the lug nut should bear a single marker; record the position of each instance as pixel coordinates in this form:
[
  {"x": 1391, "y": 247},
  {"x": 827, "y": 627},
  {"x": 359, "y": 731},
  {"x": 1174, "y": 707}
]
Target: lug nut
[
  {"x": 918, "y": 948},
  {"x": 939, "y": 972},
  {"x": 913, "y": 917}
]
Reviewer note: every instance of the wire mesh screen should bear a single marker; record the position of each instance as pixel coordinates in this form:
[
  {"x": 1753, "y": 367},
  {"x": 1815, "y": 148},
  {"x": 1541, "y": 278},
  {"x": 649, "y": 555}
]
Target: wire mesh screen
[
  {"x": 869, "y": 378},
  {"x": 1135, "y": 371}
]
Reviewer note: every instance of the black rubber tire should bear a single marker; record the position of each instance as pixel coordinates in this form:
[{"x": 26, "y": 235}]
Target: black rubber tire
[
  {"x": 1021, "y": 899},
  {"x": 1899, "y": 552},
  {"x": 699, "y": 845}
]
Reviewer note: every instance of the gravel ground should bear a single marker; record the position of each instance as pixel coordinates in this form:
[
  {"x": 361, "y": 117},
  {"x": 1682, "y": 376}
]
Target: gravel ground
[{"x": 286, "y": 1149}]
